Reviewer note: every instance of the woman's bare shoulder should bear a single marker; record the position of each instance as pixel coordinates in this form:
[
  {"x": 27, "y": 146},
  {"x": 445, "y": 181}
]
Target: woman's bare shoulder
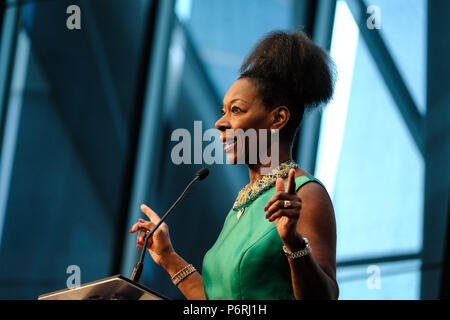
[{"x": 317, "y": 207}]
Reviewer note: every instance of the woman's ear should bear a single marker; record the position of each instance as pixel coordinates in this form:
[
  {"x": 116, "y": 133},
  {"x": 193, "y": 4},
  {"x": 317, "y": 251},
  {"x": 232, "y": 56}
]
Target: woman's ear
[{"x": 280, "y": 117}]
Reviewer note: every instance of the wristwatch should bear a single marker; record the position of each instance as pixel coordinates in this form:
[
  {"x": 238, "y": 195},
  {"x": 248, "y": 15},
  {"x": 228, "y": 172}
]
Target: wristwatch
[{"x": 300, "y": 253}]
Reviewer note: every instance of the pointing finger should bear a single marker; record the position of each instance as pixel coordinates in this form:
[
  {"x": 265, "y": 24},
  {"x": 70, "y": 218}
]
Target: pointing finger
[
  {"x": 291, "y": 182},
  {"x": 150, "y": 214}
]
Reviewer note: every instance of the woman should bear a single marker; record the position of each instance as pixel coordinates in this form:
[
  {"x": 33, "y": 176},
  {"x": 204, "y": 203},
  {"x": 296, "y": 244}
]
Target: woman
[{"x": 262, "y": 251}]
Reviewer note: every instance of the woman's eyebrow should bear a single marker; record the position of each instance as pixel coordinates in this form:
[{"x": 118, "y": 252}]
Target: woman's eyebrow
[{"x": 236, "y": 99}]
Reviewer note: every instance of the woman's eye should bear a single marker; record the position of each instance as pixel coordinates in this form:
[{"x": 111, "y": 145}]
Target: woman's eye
[{"x": 235, "y": 109}]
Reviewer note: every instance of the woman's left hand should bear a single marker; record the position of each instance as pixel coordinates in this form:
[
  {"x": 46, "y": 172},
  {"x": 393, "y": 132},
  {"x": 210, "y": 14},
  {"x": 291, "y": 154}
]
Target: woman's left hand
[{"x": 285, "y": 217}]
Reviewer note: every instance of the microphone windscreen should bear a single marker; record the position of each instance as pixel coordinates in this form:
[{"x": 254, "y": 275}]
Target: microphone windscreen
[{"x": 202, "y": 173}]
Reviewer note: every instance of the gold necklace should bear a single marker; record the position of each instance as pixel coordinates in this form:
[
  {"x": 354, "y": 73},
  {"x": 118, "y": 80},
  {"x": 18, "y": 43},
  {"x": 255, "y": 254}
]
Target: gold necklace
[{"x": 249, "y": 193}]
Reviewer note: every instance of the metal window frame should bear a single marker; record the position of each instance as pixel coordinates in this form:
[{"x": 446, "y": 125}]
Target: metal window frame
[
  {"x": 390, "y": 73},
  {"x": 8, "y": 43},
  {"x": 402, "y": 99},
  {"x": 147, "y": 161},
  {"x": 436, "y": 154},
  {"x": 431, "y": 136},
  {"x": 319, "y": 24},
  {"x": 430, "y": 133}
]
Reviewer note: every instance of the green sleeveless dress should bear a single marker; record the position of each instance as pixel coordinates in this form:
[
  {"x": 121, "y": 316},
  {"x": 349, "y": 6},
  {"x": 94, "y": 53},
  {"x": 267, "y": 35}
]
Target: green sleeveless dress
[{"x": 247, "y": 261}]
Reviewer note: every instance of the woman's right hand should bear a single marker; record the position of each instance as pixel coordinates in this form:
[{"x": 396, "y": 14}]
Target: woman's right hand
[
  {"x": 159, "y": 245},
  {"x": 162, "y": 252}
]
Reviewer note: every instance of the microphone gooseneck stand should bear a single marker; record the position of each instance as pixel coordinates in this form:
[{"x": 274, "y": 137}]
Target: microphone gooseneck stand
[{"x": 137, "y": 271}]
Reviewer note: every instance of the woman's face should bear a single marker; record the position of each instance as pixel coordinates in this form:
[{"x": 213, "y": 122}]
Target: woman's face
[{"x": 242, "y": 109}]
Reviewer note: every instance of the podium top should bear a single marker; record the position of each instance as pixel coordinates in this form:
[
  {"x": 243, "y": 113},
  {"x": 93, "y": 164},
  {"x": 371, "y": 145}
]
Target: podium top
[{"x": 113, "y": 288}]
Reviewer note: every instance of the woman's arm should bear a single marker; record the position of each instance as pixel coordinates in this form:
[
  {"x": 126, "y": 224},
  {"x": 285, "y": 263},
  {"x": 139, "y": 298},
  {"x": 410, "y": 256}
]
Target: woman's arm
[
  {"x": 192, "y": 286},
  {"x": 160, "y": 248},
  {"x": 311, "y": 215},
  {"x": 314, "y": 276}
]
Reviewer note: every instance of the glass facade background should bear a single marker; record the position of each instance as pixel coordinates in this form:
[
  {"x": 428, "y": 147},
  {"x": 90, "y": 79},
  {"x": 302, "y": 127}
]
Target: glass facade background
[
  {"x": 86, "y": 118},
  {"x": 376, "y": 177}
]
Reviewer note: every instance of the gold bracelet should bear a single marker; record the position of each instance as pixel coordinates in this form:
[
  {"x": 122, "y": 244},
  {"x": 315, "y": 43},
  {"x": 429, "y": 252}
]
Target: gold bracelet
[{"x": 182, "y": 274}]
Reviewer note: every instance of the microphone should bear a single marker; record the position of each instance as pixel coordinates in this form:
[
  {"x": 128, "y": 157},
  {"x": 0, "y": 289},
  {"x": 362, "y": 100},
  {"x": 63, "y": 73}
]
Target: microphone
[
  {"x": 202, "y": 173},
  {"x": 137, "y": 271}
]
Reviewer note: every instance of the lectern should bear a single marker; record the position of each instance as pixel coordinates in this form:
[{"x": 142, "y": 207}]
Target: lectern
[{"x": 113, "y": 288}]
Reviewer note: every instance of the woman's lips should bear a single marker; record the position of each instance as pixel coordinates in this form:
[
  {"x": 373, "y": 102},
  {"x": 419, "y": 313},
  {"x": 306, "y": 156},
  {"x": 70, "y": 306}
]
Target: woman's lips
[
  {"x": 229, "y": 147},
  {"x": 229, "y": 142}
]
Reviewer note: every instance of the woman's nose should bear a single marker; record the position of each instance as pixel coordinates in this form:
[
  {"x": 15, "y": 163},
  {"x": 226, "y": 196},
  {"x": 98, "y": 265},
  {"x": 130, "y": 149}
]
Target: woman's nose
[{"x": 222, "y": 124}]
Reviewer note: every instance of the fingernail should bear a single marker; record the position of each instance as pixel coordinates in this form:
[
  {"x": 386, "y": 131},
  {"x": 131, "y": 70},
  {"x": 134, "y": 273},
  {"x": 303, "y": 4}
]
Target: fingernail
[{"x": 265, "y": 208}]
